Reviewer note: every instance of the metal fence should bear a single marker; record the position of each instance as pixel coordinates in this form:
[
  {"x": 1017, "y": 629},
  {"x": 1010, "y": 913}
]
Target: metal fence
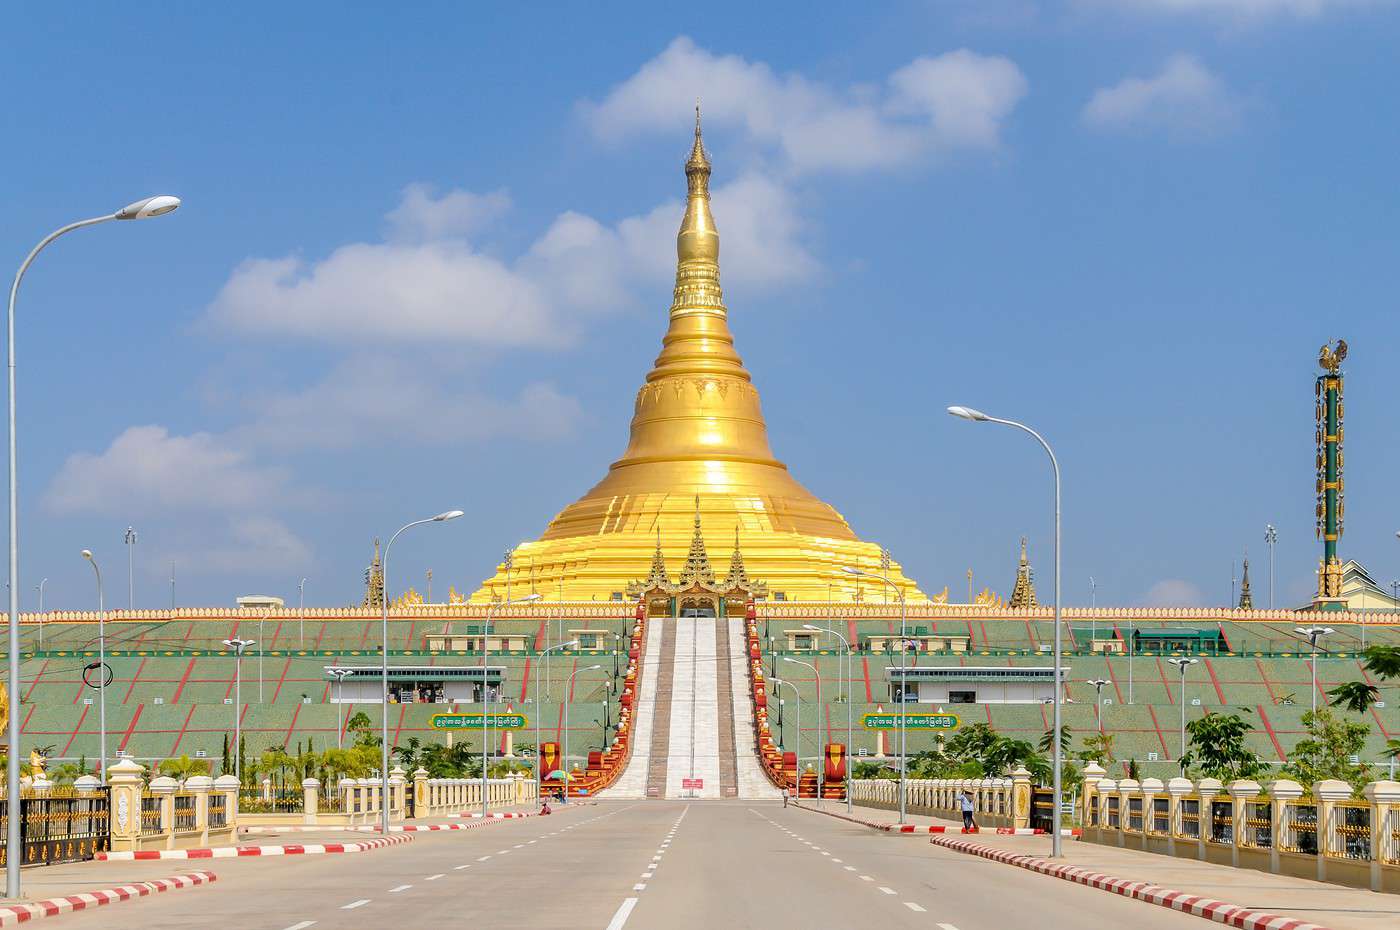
[
  {"x": 67, "y": 828},
  {"x": 184, "y": 811}
]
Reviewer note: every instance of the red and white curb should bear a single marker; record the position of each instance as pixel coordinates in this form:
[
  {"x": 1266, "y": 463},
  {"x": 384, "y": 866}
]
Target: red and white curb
[
  {"x": 235, "y": 852},
  {"x": 933, "y": 828},
  {"x": 1230, "y": 914},
  {"x": 396, "y": 828},
  {"x": 19, "y": 913},
  {"x": 513, "y": 815}
]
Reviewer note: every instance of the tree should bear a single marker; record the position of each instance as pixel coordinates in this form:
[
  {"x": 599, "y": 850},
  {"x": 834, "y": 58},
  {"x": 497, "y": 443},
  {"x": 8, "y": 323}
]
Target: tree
[
  {"x": 1218, "y": 748},
  {"x": 183, "y": 767},
  {"x": 1098, "y": 748},
  {"x": 1047, "y": 741},
  {"x": 1356, "y": 696},
  {"x": 225, "y": 761},
  {"x": 411, "y": 756},
  {"x": 873, "y": 770},
  {"x": 1327, "y": 750},
  {"x": 360, "y": 725}
]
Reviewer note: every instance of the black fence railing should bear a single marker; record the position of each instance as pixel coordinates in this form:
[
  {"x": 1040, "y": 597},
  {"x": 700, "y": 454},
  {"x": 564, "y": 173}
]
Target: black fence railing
[
  {"x": 1042, "y": 808},
  {"x": 281, "y": 801},
  {"x": 184, "y": 811},
  {"x": 218, "y": 810},
  {"x": 60, "y": 829},
  {"x": 150, "y": 813}
]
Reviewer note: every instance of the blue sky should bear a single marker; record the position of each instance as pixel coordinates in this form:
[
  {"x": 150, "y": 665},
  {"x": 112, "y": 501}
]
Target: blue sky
[{"x": 424, "y": 262}]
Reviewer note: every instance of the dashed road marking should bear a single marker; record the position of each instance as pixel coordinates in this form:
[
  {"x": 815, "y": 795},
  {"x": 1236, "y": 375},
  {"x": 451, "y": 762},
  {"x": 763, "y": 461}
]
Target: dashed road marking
[
  {"x": 433, "y": 878},
  {"x": 866, "y": 878},
  {"x": 849, "y": 868},
  {"x": 946, "y": 927},
  {"x": 302, "y": 925},
  {"x": 913, "y": 907},
  {"x": 624, "y": 910},
  {"x": 887, "y": 890},
  {"x": 354, "y": 904},
  {"x": 483, "y": 858},
  {"x": 640, "y": 886},
  {"x": 398, "y": 888},
  {"x": 458, "y": 868}
]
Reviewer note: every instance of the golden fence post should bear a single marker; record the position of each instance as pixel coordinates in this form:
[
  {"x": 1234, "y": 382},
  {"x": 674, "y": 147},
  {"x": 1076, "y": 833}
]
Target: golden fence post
[
  {"x": 163, "y": 787},
  {"x": 1177, "y": 790},
  {"x": 125, "y": 781},
  {"x": 1241, "y": 791},
  {"x": 1385, "y": 803}
]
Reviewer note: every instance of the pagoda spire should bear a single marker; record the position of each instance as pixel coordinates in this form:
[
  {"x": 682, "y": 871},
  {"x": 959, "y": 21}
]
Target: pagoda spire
[
  {"x": 697, "y": 562},
  {"x": 1023, "y": 595},
  {"x": 374, "y": 580},
  {"x": 1246, "y": 598},
  {"x": 738, "y": 576}
]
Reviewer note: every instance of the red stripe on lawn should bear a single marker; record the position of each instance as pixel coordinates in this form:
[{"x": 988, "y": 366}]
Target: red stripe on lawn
[
  {"x": 181, "y": 686},
  {"x": 35, "y": 683},
  {"x": 540, "y": 634},
  {"x": 291, "y": 727},
  {"x": 398, "y": 728},
  {"x": 1215, "y": 681},
  {"x": 865, "y": 668},
  {"x": 1166, "y": 753},
  {"x": 525, "y": 681},
  {"x": 131, "y": 727},
  {"x": 24, "y": 726},
  {"x": 1166, "y": 686},
  {"x": 1113, "y": 678},
  {"x": 286, "y": 667},
  {"x": 1269, "y": 729},
  {"x": 74, "y": 735},
  {"x": 1265, "y": 678},
  {"x": 134, "y": 678}
]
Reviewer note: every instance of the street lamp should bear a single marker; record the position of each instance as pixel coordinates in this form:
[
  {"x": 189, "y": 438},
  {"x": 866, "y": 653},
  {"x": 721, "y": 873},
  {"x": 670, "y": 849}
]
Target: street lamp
[
  {"x": 141, "y": 209},
  {"x": 485, "y": 706},
  {"x": 850, "y": 727},
  {"x": 42, "y": 584},
  {"x": 238, "y": 645},
  {"x": 340, "y": 673},
  {"x": 1093, "y": 617},
  {"x": 538, "y": 782},
  {"x": 1271, "y": 537},
  {"x": 967, "y": 413},
  {"x": 797, "y": 696},
  {"x": 384, "y": 662},
  {"x": 101, "y": 674},
  {"x": 301, "y": 612},
  {"x": 1313, "y": 633},
  {"x": 130, "y": 539},
  {"x": 1098, "y": 684},
  {"x": 1182, "y": 664},
  {"x": 903, "y": 679},
  {"x": 569, "y": 685},
  {"x": 821, "y": 776}
]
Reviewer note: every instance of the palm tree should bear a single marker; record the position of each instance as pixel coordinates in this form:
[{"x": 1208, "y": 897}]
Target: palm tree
[
  {"x": 1047, "y": 741},
  {"x": 1355, "y": 696}
]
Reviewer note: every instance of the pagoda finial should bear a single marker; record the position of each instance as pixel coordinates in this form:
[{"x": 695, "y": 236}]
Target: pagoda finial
[
  {"x": 698, "y": 240},
  {"x": 1246, "y": 598},
  {"x": 1023, "y": 594}
]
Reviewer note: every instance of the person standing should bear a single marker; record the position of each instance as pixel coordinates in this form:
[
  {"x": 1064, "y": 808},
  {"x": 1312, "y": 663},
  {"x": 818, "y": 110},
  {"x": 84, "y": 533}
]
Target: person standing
[{"x": 966, "y": 806}]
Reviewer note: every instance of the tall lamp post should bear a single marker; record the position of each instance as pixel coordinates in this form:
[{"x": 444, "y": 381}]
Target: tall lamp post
[
  {"x": 1182, "y": 664},
  {"x": 141, "y": 209},
  {"x": 850, "y": 719},
  {"x": 567, "y": 687},
  {"x": 903, "y": 682},
  {"x": 238, "y": 646},
  {"x": 340, "y": 673},
  {"x": 797, "y": 696},
  {"x": 301, "y": 614},
  {"x": 101, "y": 673},
  {"x": 1313, "y": 633},
  {"x": 539, "y": 785},
  {"x": 967, "y": 413},
  {"x": 1098, "y": 684},
  {"x": 42, "y": 583},
  {"x": 1271, "y": 537},
  {"x": 130, "y": 539},
  {"x": 485, "y": 703},
  {"x": 384, "y": 663},
  {"x": 821, "y": 776}
]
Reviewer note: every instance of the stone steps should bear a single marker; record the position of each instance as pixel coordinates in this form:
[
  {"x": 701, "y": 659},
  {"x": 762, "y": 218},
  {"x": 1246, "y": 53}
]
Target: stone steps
[{"x": 661, "y": 712}]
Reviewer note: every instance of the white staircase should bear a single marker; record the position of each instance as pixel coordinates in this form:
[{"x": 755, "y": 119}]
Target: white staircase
[
  {"x": 633, "y": 781},
  {"x": 753, "y": 783},
  {"x": 694, "y": 745}
]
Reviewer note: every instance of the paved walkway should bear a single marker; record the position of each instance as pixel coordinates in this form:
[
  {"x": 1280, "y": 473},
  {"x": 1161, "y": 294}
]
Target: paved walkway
[{"x": 1335, "y": 906}]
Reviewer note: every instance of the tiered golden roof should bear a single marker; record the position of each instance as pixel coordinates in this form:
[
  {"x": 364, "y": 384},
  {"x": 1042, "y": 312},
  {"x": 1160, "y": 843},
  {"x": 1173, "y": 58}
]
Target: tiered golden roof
[{"x": 698, "y": 440}]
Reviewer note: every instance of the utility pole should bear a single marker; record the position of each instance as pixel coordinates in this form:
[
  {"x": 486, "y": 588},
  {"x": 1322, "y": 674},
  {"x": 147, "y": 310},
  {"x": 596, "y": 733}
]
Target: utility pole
[{"x": 172, "y": 584}]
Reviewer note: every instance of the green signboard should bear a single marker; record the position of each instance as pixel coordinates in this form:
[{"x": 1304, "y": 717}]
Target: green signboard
[
  {"x": 473, "y": 721},
  {"x": 911, "y": 721}
]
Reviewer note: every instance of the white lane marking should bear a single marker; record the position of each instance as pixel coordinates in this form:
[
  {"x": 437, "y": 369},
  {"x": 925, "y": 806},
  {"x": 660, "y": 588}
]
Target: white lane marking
[
  {"x": 502, "y": 852},
  {"x": 624, "y": 910},
  {"x": 825, "y": 853},
  {"x": 302, "y": 925},
  {"x": 835, "y": 860},
  {"x": 887, "y": 890},
  {"x": 648, "y": 874},
  {"x": 482, "y": 858},
  {"x": 866, "y": 878},
  {"x": 913, "y": 907},
  {"x": 433, "y": 878},
  {"x": 532, "y": 842},
  {"x": 946, "y": 927},
  {"x": 640, "y": 886},
  {"x": 398, "y": 888},
  {"x": 518, "y": 846},
  {"x": 354, "y": 904},
  {"x": 458, "y": 868},
  {"x": 849, "y": 868}
]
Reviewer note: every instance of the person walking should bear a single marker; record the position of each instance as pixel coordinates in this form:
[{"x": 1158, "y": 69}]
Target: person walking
[{"x": 966, "y": 806}]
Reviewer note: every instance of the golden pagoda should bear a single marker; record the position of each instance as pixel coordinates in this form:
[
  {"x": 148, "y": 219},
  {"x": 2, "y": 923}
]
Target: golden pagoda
[{"x": 698, "y": 454}]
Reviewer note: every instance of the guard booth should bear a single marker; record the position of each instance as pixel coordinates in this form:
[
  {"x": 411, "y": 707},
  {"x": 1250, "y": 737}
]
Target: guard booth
[{"x": 1167, "y": 641}]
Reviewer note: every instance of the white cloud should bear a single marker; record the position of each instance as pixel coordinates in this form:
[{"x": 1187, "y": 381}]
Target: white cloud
[
  {"x": 1185, "y": 98},
  {"x": 147, "y": 470},
  {"x": 1241, "y": 9},
  {"x": 956, "y": 100},
  {"x": 421, "y": 217},
  {"x": 373, "y": 396},
  {"x": 1173, "y": 592},
  {"x": 430, "y": 285},
  {"x": 247, "y": 545}
]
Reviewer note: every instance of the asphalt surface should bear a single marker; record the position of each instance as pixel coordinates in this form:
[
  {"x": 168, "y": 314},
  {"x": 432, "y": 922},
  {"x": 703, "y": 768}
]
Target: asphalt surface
[{"x": 643, "y": 865}]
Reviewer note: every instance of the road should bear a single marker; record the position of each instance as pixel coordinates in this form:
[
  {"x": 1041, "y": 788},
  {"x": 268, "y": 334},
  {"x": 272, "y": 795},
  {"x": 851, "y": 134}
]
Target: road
[{"x": 644, "y": 865}]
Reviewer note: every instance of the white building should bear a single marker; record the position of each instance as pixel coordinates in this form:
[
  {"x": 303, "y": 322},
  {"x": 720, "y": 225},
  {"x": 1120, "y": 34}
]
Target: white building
[{"x": 961, "y": 684}]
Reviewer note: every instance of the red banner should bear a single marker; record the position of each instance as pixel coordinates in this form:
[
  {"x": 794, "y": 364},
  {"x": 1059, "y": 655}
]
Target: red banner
[
  {"x": 549, "y": 759},
  {"x": 835, "y": 762}
]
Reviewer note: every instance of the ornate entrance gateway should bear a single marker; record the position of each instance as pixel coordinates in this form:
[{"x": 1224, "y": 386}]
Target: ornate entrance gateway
[{"x": 697, "y": 593}]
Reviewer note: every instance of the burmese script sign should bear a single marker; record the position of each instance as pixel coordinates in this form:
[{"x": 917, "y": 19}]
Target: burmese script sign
[
  {"x": 911, "y": 721},
  {"x": 473, "y": 721}
]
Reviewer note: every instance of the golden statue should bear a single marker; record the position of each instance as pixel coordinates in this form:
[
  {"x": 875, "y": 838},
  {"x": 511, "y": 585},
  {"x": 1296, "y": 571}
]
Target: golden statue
[
  {"x": 698, "y": 432},
  {"x": 36, "y": 764},
  {"x": 1330, "y": 359}
]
